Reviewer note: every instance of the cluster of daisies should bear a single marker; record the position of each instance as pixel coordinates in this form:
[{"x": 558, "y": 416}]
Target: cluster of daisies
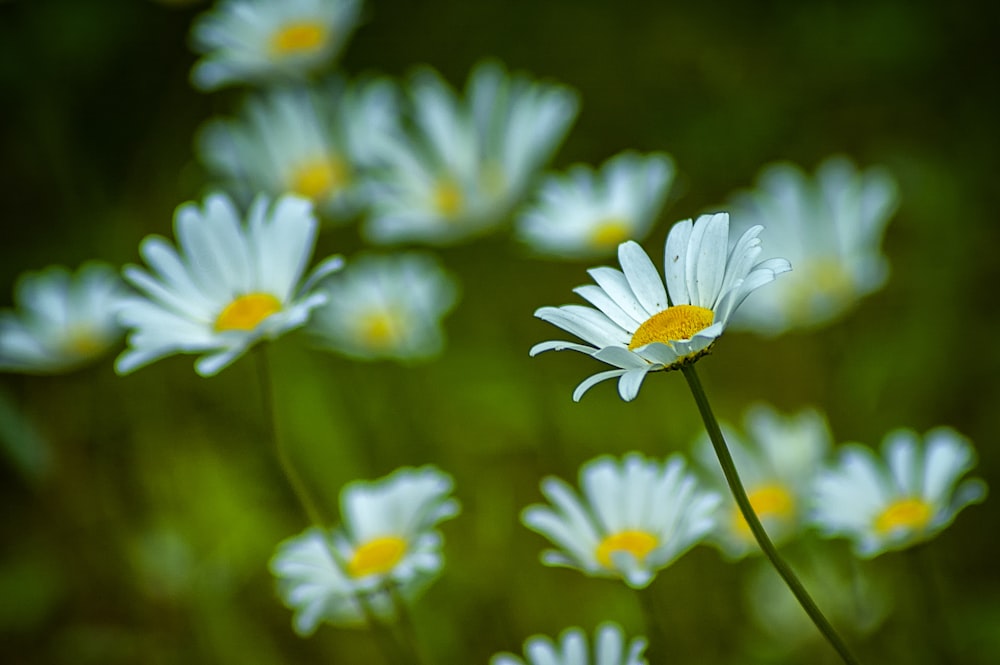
[{"x": 419, "y": 162}]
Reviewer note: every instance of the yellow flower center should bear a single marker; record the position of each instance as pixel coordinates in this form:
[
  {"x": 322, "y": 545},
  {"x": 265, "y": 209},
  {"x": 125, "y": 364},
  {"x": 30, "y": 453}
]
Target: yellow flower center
[
  {"x": 246, "y": 312},
  {"x": 377, "y": 557},
  {"x": 448, "y": 198},
  {"x": 380, "y": 329},
  {"x": 638, "y": 543},
  {"x": 609, "y": 232},
  {"x": 766, "y": 501},
  {"x": 84, "y": 342},
  {"x": 911, "y": 514},
  {"x": 298, "y": 38},
  {"x": 318, "y": 178},
  {"x": 672, "y": 324}
]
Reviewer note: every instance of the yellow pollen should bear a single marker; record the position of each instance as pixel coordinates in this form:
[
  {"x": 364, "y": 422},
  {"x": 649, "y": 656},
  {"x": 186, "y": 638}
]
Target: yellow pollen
[
  {"x": 672, "y": 324},
  {"x": 638, "y": 543},
  {"x": 84, "y": 342},
  {"x": 767, "y": 501},
  {"x": 298, "y": 38},
  {"x": 246, "y": 312},
  {"x": 609, "y": 232},
  {"x": 380, "y": 329},
  {"x": 377, "y": 557},
  {"x": 318, "y": 178},
  {"x": 911, "y": 514},
  {"x": 448, "y": 198}
]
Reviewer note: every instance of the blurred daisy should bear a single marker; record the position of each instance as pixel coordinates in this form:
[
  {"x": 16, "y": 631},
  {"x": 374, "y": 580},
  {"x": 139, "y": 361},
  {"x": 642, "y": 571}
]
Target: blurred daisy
[
  {"x": 905, "y": 497},
  {"x": 572, "y": 648},
  {"x": 63, "y": 320},
  {"x": 588, "y": 213},
  {"x": 777, "y": 464},
  {"x": 467, "y": 161},
  {"x": 636, "y": 517},
  {"x": 635, "y": 327},
  {"x": 230, "y": 285},
  {"x": 293, "y": 140},
  {"x": 830, "y": 227},
  {"x": 386, "y": 307},
  {"x": 262, "y": 41},
  {"x": 387, "y": 540}
]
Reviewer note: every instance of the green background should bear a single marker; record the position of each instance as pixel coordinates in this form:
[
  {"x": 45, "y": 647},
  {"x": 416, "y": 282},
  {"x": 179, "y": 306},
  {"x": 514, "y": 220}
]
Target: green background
[{"x": 141, "y": 511}]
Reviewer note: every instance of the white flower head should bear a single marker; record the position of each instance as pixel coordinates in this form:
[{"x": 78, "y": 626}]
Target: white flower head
[
  {"x": 777, "y": 462},
  {"x": 587, "y": 213},
  {"x": 62, "y": 320},
  {"x": 300, "y": 141},
  {"x": 907, "y": 496},
  {"x": 572, "y": 648},
  {"x": 466, "y": 161},
  {"x": 638, "y": 326},
  {"x": 386, "y": 307},
  {"x": 230, "y": 284},
  {"x": 387, "y": 538},
  {"x": 830, "y": 226},
  {"x": 636, "y": 517},
  {"x": 266, "y": 41}
]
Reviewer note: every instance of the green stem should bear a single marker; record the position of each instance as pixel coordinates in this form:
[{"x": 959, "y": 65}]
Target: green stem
[
  {"x": 654, "y": 629},
  {"x": 408, "y": 631},
  {"x": 294, "y": 479},
  {"x": 736, "y": 486}
]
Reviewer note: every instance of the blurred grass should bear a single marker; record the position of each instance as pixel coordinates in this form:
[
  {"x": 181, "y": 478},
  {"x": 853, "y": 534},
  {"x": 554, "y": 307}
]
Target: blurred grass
[{"x": 148, "y": 538}]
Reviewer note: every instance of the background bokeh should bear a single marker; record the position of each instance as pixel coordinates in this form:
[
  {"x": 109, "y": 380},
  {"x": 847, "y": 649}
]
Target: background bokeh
[{"x": 140, "y": 512}]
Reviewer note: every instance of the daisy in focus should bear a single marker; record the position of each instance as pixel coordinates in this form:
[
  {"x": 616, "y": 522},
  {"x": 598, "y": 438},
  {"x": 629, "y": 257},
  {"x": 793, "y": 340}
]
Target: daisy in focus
[
  {"x": 830, "y": 227},
  {"x": 387, "y": 546},
  {"x": 267, "y": 41},
  {"x": 638, "y": 326},
  {"x": 906, "y": 496},
  {"x": 466, "y": 161},
  {"x": 777, "y": 463},
  {"x": 386, "y": 307},
  {"x": 230, "y": 284},
  {"x": 62, "y": 320},
  {"x": 636, "y": 517},
  {"x": 295, "y": 140},
  {"x": 588, "y": 213},
  {"x": 572, "y": 648}
]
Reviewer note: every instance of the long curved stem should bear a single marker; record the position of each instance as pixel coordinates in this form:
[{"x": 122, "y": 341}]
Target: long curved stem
[{"x": 736, "y": 486}]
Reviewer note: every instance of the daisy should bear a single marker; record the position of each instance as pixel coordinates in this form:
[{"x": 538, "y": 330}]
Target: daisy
[
  {"x": 230, "y": 285},
  {"x": 261, "y": 41},
  {"x": 294, "y": 140},
  {"x": 386, "y": 307},
  {"x": 830, "y": 226},
  {"x": 637, "y": 327},
  {"x": 587, "y": 213},
  {"x": 63, "y": 320},
  {"x": 466, "y": 161},
  {"x": 907, "y": 496},
  {"x": 636, "y": 517},
  {"x": 777, "y": 463},
  {"x": 572, "y": 648},
  {"x": 387, "y": 545}
]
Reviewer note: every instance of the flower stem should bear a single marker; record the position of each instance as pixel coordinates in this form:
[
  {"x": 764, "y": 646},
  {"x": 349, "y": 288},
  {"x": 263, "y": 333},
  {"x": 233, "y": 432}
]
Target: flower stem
[
  {"x": 740, "y": 495},
  {"x": 312, "y": 513}
]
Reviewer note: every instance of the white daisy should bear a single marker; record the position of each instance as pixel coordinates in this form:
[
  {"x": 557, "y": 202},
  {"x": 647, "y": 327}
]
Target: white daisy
[
  {"x": 63, "y": 320},
  {"x": 386, "y": 307},
  {"x": 777, "y": 464},
  {"x": 830, "y": 227},
  {"x": 587, "y": 213},
  {"x": 636, "y": 327},
  {"x": 907, "y": 496},
  {"x": 466, "y": 161},
  {"x": 261, "y": 41},
  {"x": 293, "y": 140},
  {"x": 230, "y": 285},
  {"x": 637, "y": 516},
  {"x": 387, "y": 539},
  {"x": 572, "y": 648}
]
